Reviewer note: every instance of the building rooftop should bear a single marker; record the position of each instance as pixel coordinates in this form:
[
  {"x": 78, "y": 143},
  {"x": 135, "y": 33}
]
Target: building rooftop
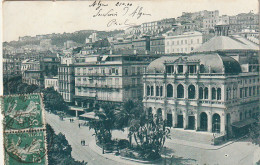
[
  {"x": 224, "y": 43},
  {"x": 211, "y": 63}
]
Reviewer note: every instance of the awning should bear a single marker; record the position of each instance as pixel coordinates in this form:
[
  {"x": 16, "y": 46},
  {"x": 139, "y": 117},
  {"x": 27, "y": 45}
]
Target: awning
[
  {"x": 243, "y": 123},
  {"x": 104, "y": 58},
  {"x": 90, "y": 115}
]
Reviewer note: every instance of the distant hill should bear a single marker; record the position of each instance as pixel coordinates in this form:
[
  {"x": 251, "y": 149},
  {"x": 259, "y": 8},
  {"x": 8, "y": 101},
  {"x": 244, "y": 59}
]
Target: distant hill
[{"x": 59, "y": 39}]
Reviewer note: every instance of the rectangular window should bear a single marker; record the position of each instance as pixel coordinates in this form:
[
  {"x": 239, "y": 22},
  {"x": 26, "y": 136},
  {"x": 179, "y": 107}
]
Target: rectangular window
[
  {"x": 169, "y": 69},
  {"x": 133, "y": 70},
  {"x": 241, "y": 92},
  {"x": 180, "y": 68},
  {"x": 126, "y": 72},
  {"x": 250, "y": 91},
  {"x": 246, "y": 89}
]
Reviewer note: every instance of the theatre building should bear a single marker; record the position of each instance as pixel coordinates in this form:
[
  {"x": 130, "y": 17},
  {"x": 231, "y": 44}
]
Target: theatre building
[{"x": 202, "y": 92}]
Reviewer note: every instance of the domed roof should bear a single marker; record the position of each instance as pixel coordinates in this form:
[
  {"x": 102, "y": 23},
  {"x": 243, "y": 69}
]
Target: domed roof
[{"x": 211, "y": 63}]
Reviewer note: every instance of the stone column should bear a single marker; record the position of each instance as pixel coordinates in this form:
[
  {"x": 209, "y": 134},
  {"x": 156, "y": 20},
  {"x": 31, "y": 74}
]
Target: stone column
[
  {"x": 197, "y": 90},
  {"x": 154, "y": 89},
  {"x": 210, "y": 92},
  {"x": 164, "y": 90},
  {"x": 185, "y": 119},
  {"x": 223, "y": 90},
  {"x": 209, "y": 122},
  {"x": 222, "y": 123},
  {"x": 175, "y": 90},
  {"x": 197, "y": 121},
  {"x": 144, "y": 90},
  {"x": 174, "y": 118},
  {"x": 185, "y": 91},
  {"x": 76, "y": 113}
]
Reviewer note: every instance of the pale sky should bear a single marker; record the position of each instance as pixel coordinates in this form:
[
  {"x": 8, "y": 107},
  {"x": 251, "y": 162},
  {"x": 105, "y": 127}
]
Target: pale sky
[{"x": 32, "y": 18}]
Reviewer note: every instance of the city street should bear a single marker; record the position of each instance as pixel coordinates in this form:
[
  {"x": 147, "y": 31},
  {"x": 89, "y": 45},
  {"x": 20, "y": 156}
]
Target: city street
[{"x": 182, "y": 154}]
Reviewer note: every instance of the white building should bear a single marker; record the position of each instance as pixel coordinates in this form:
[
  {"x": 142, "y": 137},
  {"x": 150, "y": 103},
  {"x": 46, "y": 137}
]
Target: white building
[
  {"x": 51, "y": 82},
  {"x": 183, "y": 43}
]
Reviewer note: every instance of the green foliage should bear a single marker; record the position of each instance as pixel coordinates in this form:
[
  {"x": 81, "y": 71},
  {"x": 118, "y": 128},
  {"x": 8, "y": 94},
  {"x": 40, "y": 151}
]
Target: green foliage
[
  {"x": 14, "y": 85},
  {"x": 131, "y": 110},
  {"x": 59, "y": 150},
  {"x": 104, "y": 125},
  {"x": 149, "y": 134},
  {"x": 53, "y": 100}
]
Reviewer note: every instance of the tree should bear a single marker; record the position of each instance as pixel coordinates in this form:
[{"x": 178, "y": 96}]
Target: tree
[
  {"x": 53, "y": 100},
  {"x": 131, "y": 110},
  {"x": 150, "y": 135},
  {"x": 104, "y": 125},
  {"x": 59, "y": 150}
]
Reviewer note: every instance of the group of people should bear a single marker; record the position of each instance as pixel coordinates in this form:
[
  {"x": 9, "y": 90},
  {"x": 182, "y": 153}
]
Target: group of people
[
  {"x": 83, "y": 142},
  {"x": 71, "y": 120}
]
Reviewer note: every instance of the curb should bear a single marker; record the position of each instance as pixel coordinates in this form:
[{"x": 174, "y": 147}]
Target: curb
[
  {"x": 119, "y": 159},
  {"x": 216, "y": 148}
]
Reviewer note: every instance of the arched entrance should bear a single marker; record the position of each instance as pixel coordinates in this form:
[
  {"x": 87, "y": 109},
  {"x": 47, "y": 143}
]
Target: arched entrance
[
  {"x": 159, "y": 113},
  {"x": 203, "y": 121},
  {"x": 150, "y": 113},
  {"x": 216, "y": 123}
]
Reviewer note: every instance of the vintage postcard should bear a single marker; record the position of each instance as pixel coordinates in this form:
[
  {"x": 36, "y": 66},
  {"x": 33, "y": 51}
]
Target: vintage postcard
[{"x": 130, "y": 82}]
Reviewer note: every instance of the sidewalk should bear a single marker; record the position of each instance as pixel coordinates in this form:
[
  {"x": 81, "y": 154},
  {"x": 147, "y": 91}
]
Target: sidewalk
[
  {"x": 111, "y": 156},
  {"x": 200, "y": 145}
]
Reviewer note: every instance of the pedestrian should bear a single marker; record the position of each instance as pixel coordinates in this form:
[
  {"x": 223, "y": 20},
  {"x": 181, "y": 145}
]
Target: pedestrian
[
  {"x": 83, "y": 142},
  {"x": 79, "y": 125}
]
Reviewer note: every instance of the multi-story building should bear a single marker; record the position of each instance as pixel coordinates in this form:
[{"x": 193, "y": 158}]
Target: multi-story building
[
  {"x": 11, "y": 67},
  {"x": 202, "y": 92},
  {"x": 50, "y": 82},
  {"x": 133, "y": 30},
  {"x": 66, "y": 79},
  {"x": 209, "y": 23},
  {"x": 32, "y": 72},
  {"x": 156, "y": 27},
  {"x": 182, "y": 43},
  {"x": 142, "y": 43},
  {"x": 108, "y": 78},
  {"x": 157, "y": 45}
]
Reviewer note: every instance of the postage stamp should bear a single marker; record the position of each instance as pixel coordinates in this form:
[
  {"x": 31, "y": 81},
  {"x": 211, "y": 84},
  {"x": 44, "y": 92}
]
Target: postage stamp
[
  {"x": 22, "y": 112},
  {"x": 24, "y": 129},
  {"x": 25, "y": 147}
]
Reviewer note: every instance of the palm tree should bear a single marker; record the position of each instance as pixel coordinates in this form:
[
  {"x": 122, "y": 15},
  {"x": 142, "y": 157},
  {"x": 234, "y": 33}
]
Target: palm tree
[
  {"x": 104, "y": 125},
  {"x": 131, "y": 111}
]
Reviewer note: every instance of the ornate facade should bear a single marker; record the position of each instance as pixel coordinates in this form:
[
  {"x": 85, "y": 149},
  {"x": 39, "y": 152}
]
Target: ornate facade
[{"x": 202, "y": 92}]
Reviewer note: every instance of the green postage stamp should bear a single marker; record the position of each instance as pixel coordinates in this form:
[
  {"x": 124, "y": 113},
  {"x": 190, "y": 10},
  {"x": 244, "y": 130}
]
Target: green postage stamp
[{"x": 24, "y": 129}]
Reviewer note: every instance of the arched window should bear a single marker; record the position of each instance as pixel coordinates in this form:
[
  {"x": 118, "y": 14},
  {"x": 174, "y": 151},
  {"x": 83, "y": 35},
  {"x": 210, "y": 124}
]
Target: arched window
[
  {"x": 180, "y": 91},
  {"x": 245, "y": 114},
  {"x": 213, "y": 92},
  {"x": 219, "y": 94},
  {"x": 216, "y": 123},
  {"x": 191, "y": 92},
  {"x": 241, "y": 116},
  {"x": 148, "y": 91},
  {"x": 152, "y": 94},
  {"x": 157, "y": 91},
  {"x": 200, "y": 93},
  {"x": 169, "y": 90},
  {"x": 206, "y": 93},
  {"x": 161, "y": 90}
]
